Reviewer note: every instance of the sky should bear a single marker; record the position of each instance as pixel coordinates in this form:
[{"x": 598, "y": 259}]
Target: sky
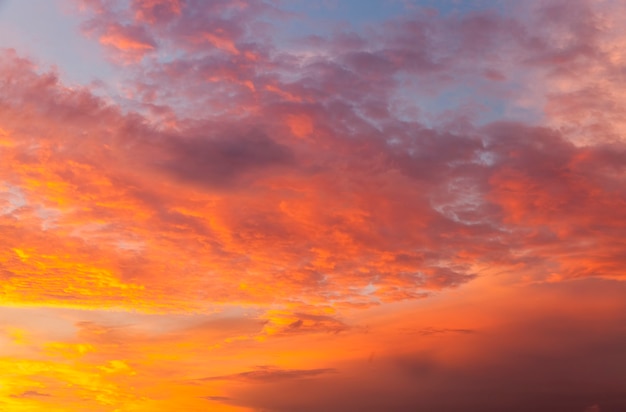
[{"x": 321, "y": 205}]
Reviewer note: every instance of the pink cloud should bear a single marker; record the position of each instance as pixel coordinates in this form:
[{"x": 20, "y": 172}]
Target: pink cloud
[
  {"x": 157, "y": 11},
  {"x": 127, "y": 39}
]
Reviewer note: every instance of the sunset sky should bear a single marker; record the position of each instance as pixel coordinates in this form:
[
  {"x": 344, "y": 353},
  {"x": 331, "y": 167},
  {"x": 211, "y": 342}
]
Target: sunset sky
[{"x": 312, "y": 205}]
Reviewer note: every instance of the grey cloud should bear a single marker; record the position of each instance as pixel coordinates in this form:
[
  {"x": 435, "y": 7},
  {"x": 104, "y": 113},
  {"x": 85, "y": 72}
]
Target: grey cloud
[{"x": 223, "y": 161}]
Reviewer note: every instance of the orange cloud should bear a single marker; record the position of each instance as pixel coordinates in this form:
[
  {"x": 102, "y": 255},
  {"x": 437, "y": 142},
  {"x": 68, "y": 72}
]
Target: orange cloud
[
  {"x": 221, "y": 43},
  {"x": 131, "y": 42},
  {"x": 179, "y": 249},
  {"x": 300, "y": 125}
]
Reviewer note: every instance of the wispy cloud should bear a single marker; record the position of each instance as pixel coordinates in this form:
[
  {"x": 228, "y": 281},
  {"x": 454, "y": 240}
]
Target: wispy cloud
[{"x": 267, "y": 374}]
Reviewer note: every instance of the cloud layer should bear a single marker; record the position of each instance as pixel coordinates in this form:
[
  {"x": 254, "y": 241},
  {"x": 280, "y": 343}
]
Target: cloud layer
[{"x": 307, "y": 188}]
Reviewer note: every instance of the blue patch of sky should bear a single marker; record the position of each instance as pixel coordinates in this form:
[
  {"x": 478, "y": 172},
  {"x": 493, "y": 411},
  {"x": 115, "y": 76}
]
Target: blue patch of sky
[
  {"x": 323, "y": 17},
  {"x": 48, "y": 32},
  {"x": 470, "y": 101},
  {"x": 358, "y": 13}
]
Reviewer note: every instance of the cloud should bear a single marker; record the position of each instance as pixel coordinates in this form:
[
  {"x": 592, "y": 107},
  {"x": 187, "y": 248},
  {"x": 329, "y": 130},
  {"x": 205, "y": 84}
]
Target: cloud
[
  {"x": 437, "y": 331},
  {"x": 268, "y": 374},
  {"x": 244, "y": 163},
  {"x": 217, "y": 398},
  {"x": 298, "y": 186},
  {"x": 127, "y": 39},
  {"x": 31, "y": 394},
  {"x": 222, "y": 162},
  {"x": 426, "y": 213},
  {"x": 157, "y": 11},
  {"x": 286, "y": 323},
  {"x": 518, "y": 362},
  {"x": 318, "y": 191}
]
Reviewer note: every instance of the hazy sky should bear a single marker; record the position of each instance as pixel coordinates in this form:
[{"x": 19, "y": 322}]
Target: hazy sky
[{"x": 303, "y": 206}]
